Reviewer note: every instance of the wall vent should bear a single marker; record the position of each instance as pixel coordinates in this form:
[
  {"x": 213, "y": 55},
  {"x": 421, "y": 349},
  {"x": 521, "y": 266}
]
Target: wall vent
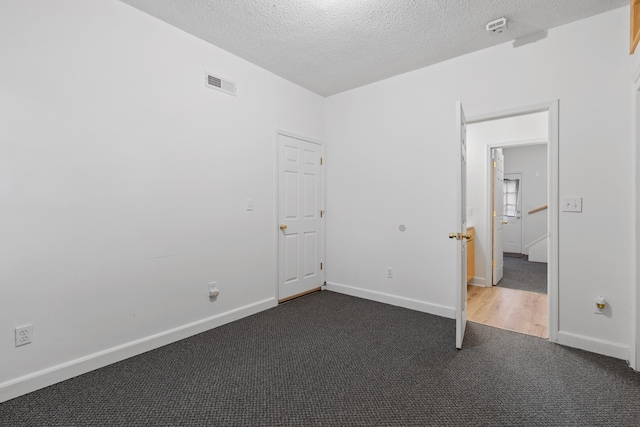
[{"x": 218, "y": 83}]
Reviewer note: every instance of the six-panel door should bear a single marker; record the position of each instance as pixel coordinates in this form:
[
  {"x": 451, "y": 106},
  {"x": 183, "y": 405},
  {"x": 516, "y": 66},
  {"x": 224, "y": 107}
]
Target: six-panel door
[{"x": 300, "y": 203}]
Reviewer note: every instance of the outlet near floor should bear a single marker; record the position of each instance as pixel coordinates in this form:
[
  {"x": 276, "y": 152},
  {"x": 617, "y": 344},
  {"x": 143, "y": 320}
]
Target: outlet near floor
[{"x": 24, "y": 335}]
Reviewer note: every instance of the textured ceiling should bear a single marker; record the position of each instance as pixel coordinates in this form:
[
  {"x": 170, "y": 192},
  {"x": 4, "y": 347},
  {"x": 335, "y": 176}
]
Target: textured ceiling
[{"x": 329, "y": 46}]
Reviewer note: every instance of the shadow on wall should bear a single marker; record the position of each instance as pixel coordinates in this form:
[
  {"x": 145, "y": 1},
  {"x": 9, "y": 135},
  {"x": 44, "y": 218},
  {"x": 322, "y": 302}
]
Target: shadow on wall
[{"x": 531, "y": 38}]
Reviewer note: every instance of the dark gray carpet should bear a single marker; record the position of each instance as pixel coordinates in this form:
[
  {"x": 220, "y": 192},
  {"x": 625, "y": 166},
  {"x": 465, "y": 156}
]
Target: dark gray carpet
[
  {"x": 333, "y": 360},
  {"x": 521, "y": 274}
]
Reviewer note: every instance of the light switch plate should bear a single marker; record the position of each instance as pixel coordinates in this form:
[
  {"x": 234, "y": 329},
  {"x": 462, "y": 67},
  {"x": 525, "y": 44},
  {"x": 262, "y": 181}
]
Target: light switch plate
[{"x": 571, "y": 204}]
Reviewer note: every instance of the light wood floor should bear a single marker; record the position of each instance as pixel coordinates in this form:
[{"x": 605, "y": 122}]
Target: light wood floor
[{"x": 519, "y": 311}]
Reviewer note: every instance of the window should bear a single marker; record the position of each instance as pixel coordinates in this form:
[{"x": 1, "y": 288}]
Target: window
[{"x": 511, "y": 194}]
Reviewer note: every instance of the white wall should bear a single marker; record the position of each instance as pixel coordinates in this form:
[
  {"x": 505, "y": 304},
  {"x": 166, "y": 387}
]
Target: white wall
[
  {"x": 392, "y": 154},
  {"x": 531, "y": 163},
  {"x": 123, "y": 183},
  {"x": 481, "y": 135}
]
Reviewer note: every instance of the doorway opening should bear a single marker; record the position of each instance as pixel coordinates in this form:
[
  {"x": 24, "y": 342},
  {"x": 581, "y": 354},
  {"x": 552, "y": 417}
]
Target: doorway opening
[
  {"x": 300, "y": 216},
  {"x": 511, "y": 199}
]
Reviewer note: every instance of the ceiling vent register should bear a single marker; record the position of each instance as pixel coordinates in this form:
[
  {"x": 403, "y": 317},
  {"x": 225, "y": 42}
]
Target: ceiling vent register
[
  {"x": 498, "y": 25},
  {"x": 218, "y": 83}
]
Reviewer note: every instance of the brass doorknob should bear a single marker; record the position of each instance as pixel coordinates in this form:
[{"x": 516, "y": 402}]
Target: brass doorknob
[
  {"x": 467, "y": 236},
  {"x": 283, "y": 227},
  {"x": 505, "y": 222},
  {"x": 452, "y": 235}
]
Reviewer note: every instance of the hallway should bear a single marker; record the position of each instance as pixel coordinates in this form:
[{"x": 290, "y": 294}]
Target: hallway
[{"x": 511, "y": 309}]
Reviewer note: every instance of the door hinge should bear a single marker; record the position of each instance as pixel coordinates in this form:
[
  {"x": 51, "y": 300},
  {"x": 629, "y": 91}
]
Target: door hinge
[
  {"x": 321, "y": 214},
  {"x": 321, "y": 160},
  {"x": 320, "y": 266},
  {"x": 495, "y": 164},
  {"x": 494, "y": 214},
  {"x": 494, "y": 263}
]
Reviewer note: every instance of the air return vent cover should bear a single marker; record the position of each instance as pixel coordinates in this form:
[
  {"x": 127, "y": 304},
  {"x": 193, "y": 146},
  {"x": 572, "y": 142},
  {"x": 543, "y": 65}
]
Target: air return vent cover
[
  {"x": 218, "y": 83},
  {"x": 498, "y": 25}
]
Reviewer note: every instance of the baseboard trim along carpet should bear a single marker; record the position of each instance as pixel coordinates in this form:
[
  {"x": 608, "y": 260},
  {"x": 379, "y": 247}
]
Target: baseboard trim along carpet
[
  {"x": 73, "y": 368},
  {"x": 606, "y": 348},
  {"x": 410, "y": 303}
]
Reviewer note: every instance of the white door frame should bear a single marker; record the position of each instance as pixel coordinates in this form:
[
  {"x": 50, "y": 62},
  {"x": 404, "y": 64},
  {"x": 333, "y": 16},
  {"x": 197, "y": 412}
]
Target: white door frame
[
  {"x": 552, "y": 195},
  {"x": 634, "y": 348},
  {"x": 489, "y": 147},
  {"x": 276, "y": 196}
]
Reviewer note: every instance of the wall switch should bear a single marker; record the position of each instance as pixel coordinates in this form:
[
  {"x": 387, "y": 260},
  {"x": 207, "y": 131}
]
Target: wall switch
[
  {"x": 24, "y": 335},
  {"x": 571, "y": 204},
  {"x": 390, "y": 273},
  {"x": 249, "y": 204}
]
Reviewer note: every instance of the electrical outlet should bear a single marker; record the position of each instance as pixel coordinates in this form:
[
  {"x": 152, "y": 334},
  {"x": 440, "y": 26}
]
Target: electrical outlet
[
  {"x": 390, "y": 272},
  {"x": 571, "y": 204},
  {"x": 24, "y": 335}
]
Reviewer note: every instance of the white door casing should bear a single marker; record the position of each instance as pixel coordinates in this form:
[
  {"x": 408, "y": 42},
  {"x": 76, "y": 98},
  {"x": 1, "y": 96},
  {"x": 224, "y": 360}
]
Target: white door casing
[
  {"x": 553, "y": 108},
  {"x": 300, "y": 215},
  {"x": 498, "y": 207},
  {"x": 512, "y": 230},
  {"x": 461, "y": 219}
]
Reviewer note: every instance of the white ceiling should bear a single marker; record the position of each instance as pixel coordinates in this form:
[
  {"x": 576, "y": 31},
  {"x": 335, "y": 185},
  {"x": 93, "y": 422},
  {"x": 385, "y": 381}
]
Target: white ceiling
[{"x": 329, "y": 46}]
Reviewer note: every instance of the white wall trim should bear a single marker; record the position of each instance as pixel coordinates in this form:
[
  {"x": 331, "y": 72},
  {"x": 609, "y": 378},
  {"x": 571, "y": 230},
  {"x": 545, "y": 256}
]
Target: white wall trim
[
  {"x": 593, "y": 345},
  {"x": 297, "y": 136},
  {"x": 552, "y": 194},
  {"x": 512, "y": 112},
  {"x": 634, "y": 351},
  {"x": 46, "y": 377},
  {"x": 410, "y": 303},
  {"x": 553, "y": 216},
  {"x": 479, "y": 281}
]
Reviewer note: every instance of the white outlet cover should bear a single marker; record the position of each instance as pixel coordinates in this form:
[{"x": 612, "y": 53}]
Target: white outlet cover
[
  {"x": 571, "y": 204},
  {"x": 24, "y": 335}
]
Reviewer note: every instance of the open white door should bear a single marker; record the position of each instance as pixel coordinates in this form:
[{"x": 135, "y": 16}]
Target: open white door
[
  {"x": 461, "y": 236},
  {"x": 512, "y": 230},
  {"x": 498, "y": 211},
  {"x": 300, "y": 216}
]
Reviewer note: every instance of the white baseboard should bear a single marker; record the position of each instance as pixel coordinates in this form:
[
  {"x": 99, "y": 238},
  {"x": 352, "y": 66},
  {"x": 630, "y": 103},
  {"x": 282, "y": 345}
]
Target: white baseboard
[
  {"x": 478, "y": 281},
  {"x": 413, "y": 304},
  {"x": 73, "y": 368},
  {"x": 606, "y": 348}
]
